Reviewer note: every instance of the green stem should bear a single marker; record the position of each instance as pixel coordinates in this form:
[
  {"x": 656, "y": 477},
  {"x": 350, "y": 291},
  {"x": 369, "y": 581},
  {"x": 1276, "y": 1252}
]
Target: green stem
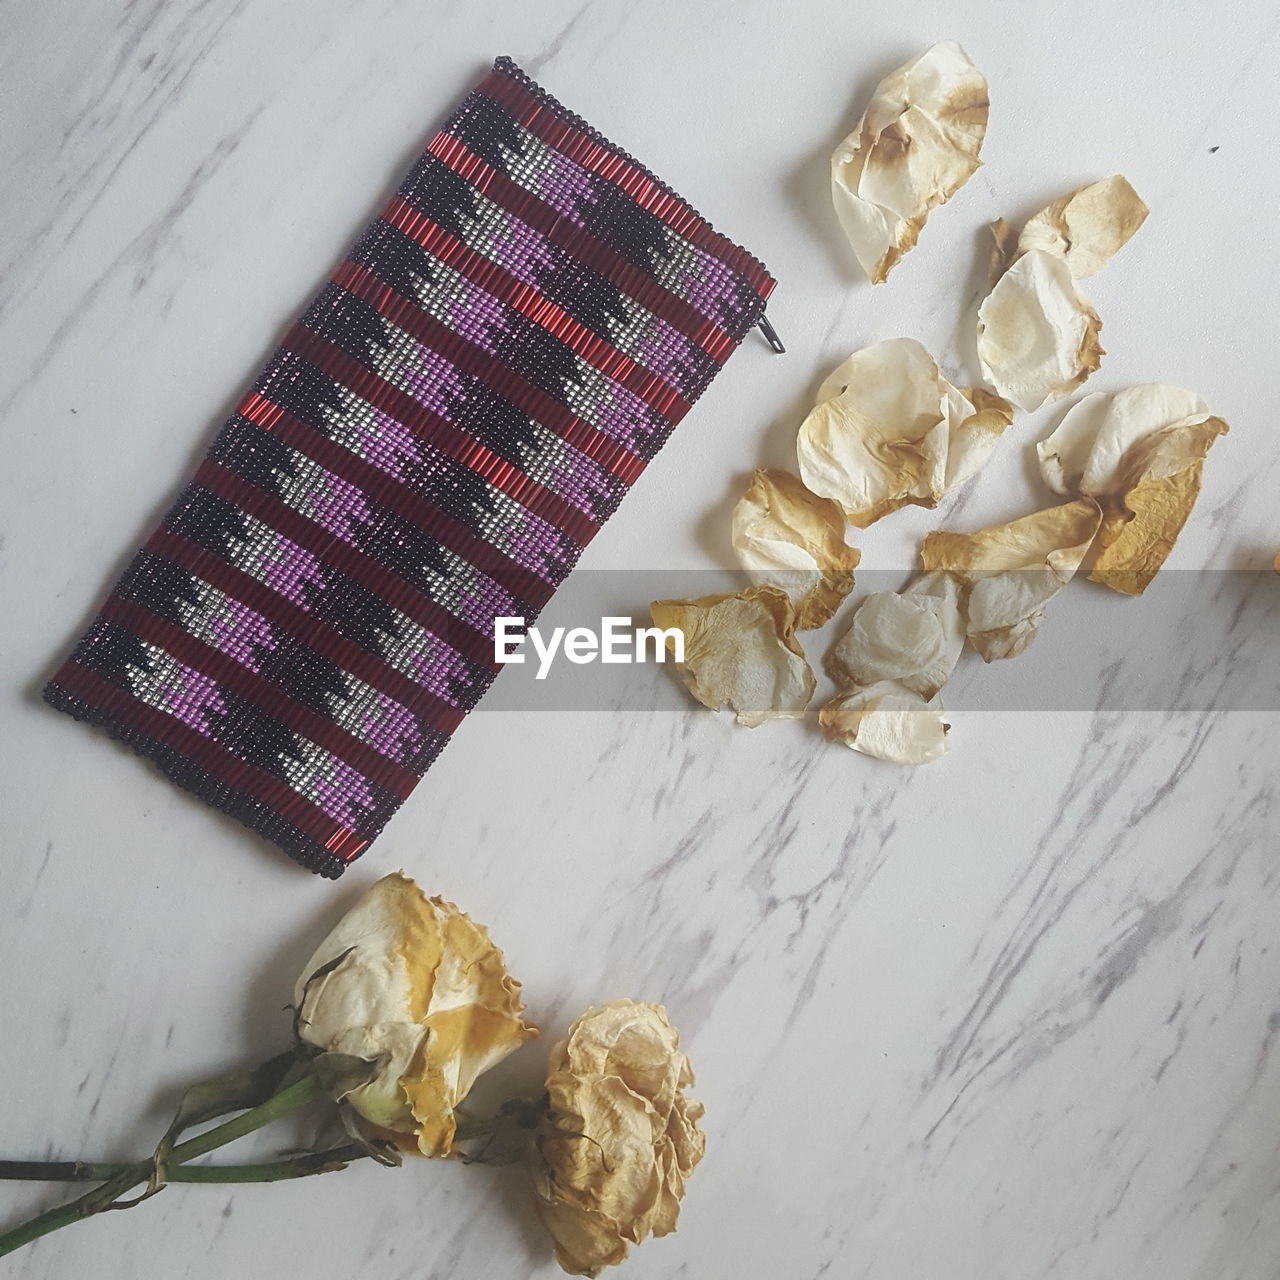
[
  {"x": 300, "y": 1166},
  {"x": 101, "y": 1198}
]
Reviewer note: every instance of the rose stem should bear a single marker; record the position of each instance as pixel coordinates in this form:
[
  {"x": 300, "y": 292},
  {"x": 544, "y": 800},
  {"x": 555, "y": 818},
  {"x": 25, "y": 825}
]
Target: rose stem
[
  {"x": 288, "y": 1099},
  {"x": 300, "y": 1166}
]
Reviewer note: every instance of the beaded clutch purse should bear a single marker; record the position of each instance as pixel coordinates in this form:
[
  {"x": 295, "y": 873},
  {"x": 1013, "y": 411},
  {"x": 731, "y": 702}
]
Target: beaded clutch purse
[{"x": 440, "y": 434}]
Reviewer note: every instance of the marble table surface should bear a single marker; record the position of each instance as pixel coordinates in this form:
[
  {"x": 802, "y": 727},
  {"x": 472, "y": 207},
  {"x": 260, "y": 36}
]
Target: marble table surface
[{"x": 1011, "y": 1015}]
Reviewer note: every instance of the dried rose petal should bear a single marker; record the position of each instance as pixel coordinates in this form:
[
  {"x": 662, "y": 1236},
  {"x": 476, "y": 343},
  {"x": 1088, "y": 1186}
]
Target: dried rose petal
[
  {"x": 789, "y": 538},
  {"x": 913, "y": 637},
  {"x": 886, "y": 721},
  {"x": 917, "y": 143},
  {"x": 740, "y": 648},
  {"x": 1087, "y": 227},
  {"x": 1140, "y": 453},
  {"x": 1037, "y": 333},
  {"x": 888, "y": 430},
  {"x": 1011, "y": 571}
]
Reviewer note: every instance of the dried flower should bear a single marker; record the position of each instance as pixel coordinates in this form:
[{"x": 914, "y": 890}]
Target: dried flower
[
  {"x": 914, "y": 637},
  {"x": 917, "y": 143},
  {"x": 414, "y": 984},
  {"x": 787, "y": 537},
  {"x": 740, "y": 647},
  {"x": 623, "y": 1137}
]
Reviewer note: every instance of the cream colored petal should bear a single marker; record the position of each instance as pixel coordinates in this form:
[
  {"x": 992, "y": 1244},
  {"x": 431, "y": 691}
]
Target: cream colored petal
[
  {"x": 789, "y": 538},
  {"x": 976, "y": 420},
  {"x": 1140, "y": 453},
  {"x": 871, "y": 443},
  {"x": 888, "y": 430},
  {"x": 1037, "y": 333},
  {"x": 1013, "y": 570},
  {"x": 917, "y": 143},
  {"x": 740, "y": 648},
  {"x": 1087, "y": 451},
  {"x": 914, "y": 638},
  {"x": 1087, "y": 227},
  {"x": 886, "y": 721}
]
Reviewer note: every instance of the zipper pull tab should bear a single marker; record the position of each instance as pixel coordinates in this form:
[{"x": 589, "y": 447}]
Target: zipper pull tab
[{"x": 771, "y": 336}]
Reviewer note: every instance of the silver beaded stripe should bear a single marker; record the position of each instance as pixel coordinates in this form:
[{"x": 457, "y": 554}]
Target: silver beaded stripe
[
  {"x": 363, "y": 711},
  {"x": 683, "y": 262},
  {"x": 462, "y": 589},
  {"x": 424, "y": 657},
  {"x": 512, "y": 529}
]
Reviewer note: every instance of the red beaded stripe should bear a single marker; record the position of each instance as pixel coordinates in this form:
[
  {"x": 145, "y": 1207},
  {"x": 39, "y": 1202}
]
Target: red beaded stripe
[
  {"x": 118, "y": 706},
  {"x": 499, "y": 283},
  {"x": 544, "y": 118},
  {"x": 388, "y": 491},
  {"x": 581, "y": 244},
  {"x": 431, "y": 427},
  {"x": 319, "y": 729},
  {"x": 406, "y": 315},
  {"x": 326, "y": 640}
]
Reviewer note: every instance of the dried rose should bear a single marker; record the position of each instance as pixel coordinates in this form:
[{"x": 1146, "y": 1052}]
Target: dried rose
[
  {"x": 917, "y": 143},
  {"x": 888, "y": 430},
  {"x": 1011, "y": 571},
  {"x": 622, "y": 1139},
  {"x": 787, "y": 537},
  {"x": 1141, "y": 454},
  {"x": 740, "y": 647},
  {"x": 1037, "y": 333},
  {"x": 414, "y": 984}
]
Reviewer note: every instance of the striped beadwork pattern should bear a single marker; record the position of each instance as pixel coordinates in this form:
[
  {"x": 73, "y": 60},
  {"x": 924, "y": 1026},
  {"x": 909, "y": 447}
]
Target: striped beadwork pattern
[{"x": 440, "y": 434}]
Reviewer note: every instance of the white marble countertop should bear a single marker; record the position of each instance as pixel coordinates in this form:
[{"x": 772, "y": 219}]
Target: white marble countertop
[{"x": 1011, "y": 1015}]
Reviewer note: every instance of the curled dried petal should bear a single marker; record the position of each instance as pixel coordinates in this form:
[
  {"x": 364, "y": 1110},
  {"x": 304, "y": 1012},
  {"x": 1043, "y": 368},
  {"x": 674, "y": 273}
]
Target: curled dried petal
[
  {"x": 917, "y": 143},
  {"x": 791, "y": 539},
  {"x": 889, "y": 431},
  {"x": 1037, "y": 333},
  {"x": 1087, "y": 227},
  {"x": 740, "y": 648},
  {"x": 1012, "y": 570},
  {"x": 1140, "y": 453},
  {"x": 887, "y": 721}
]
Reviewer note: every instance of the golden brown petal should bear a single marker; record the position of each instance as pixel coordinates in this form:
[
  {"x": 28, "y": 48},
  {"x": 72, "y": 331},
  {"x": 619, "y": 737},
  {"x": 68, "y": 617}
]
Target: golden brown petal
[
  {"x": 1012, "y": 570},
  {"x": 789, "y": 538},
  {"x": 740, "y": 648}
]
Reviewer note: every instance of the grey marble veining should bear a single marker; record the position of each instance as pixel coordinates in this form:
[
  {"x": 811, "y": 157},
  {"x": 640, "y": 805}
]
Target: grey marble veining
[{"x": 1012, "y": 1015}]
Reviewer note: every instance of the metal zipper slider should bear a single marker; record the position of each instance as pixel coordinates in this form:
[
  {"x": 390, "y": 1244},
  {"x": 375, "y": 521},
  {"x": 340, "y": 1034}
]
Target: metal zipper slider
[{"x": 771, "y": 335}]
